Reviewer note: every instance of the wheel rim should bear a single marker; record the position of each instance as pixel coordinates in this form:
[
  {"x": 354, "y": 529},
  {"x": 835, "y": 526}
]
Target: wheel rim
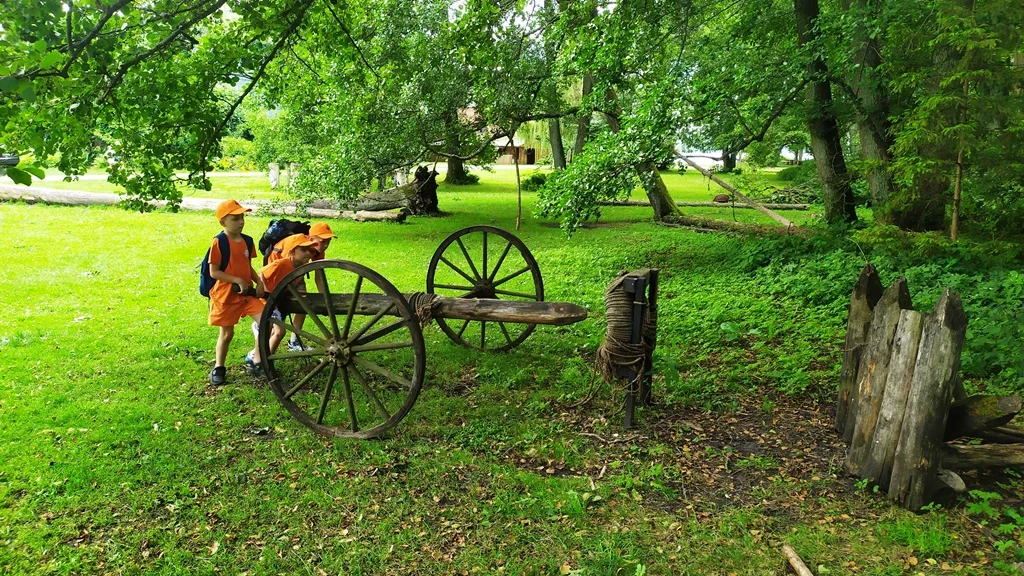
[
  {"x": 365, "y": 369},
  {"x": 485, "y": 262}
]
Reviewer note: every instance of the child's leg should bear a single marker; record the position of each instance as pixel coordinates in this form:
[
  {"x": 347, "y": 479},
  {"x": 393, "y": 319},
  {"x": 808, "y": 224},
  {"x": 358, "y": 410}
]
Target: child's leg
[
  {"x": 276, "y": 335},
  {"x": 298, "y": 320},
  {"x": 256, "y": 344},
  {"x": 223, "y": 341}
]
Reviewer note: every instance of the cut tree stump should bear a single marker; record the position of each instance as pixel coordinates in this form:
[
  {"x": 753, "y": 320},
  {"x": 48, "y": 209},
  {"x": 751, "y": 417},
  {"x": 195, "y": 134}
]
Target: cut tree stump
[
  {"x": 873, "y": 373},
  {"x": 866, "y": 294},
  {"x": 919, "y": 450},
  {"x": 979, "y": 414}
]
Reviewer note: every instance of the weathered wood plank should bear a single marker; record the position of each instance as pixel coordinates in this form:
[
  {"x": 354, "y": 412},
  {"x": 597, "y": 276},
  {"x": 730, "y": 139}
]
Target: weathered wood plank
[
  {"x": 979, "y": 413},
  {"x": 490, "y": 310},
  {"x": 878, "y": 467},
  {"x": 866, "y": 294},
  {"x": 967, "y": 457},
  {"x": 873, "y": 372},
  {"x": 924, "y": 423}
]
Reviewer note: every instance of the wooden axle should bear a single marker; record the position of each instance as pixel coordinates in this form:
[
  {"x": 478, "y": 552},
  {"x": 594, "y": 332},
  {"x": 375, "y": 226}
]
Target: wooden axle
[{"x": 477, "y": 309}]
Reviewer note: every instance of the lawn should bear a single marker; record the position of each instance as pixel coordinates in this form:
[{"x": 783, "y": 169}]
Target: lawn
[{"x": 120, "y": 458}]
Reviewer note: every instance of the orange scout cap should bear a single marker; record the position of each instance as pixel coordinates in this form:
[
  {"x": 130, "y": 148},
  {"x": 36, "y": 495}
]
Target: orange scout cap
[
  {"x": 228, "y": 207},
  {"x": 322, "y": 230},
  {"x": 294, "y": 241}
]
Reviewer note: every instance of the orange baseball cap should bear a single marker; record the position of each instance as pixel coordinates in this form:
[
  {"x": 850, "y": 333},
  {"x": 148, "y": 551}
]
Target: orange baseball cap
[
  {"x": 228, "y": 207},
  {"x": 322, "y": 230},
  {"x": 294, "y": 241}
]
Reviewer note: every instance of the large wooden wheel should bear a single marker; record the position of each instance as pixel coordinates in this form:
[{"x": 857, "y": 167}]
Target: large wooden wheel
[
  {"x": 485, "y": 262},
  {"x": 361, "y": 374}
]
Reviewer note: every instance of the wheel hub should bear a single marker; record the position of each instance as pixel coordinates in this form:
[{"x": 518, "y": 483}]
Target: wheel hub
[
  {"x": 339, "y": 353},
  {"x": 483, "y": 289}
]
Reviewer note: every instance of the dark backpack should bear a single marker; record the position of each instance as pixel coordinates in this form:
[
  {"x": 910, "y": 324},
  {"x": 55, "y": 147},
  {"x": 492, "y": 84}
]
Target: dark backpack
[
  {"x": 206, "y": 281},
  {"x": 279, "y": 230}
]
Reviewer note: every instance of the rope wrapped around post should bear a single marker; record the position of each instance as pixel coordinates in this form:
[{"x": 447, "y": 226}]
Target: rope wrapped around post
[
  {"x": 425, "y": 305},
  {"x": 617, "y": 350}
]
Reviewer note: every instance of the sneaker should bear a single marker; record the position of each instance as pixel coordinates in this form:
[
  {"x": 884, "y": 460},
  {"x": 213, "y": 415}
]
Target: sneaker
[
  {"x": 218, "y": 376},
  {"x": 295, "y": 345},
  {"x": 252, "y": 367}
]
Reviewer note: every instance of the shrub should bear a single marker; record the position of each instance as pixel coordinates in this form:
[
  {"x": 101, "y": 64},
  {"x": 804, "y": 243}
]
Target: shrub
[
  {"x": 800, "y": 173},
  {"x": 535, "y": 181},
  {"x": 236, "y": 154}
]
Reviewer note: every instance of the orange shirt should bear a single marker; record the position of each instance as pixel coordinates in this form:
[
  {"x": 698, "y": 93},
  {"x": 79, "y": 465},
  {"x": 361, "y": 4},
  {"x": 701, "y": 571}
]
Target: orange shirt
[
  {"x": 275, "y": 271},
  {"x": 240, "y": 265},
  {"x": 277, "y": 253}
]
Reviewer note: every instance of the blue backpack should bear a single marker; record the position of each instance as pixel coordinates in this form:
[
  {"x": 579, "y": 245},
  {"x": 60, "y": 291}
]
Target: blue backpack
[{"x": 206, "y": 281}]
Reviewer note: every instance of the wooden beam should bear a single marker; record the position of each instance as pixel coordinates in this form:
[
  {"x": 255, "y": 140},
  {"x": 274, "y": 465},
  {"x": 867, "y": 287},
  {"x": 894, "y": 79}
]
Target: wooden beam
[
  {"x": 866, "y": 294},
  {"x": 968, "y": 457},
  {"x": 740, "y": 195},
  {"x": 489, "y": 310}
]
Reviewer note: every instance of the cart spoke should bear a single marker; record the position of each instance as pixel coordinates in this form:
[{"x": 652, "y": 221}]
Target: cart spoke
[
  {"x": 348, "y": 397},
  {"x": 468, "y": 259},
  {"x": 327, "y": 394},
  {"x": 359, "y": 339},
  {"x": 483, "y": 337},
  {"x": 453, "y": 287},
  {"x": 501, "y": 260},
  {"x": 381, "y": 346},
  {"x": 299, "y": 331},
  {"x": 505, "y": 332},
  {"x": 297, "y": 354},
  {"x": 519, "y": 294},
  {"x": 329, "y": 303},
  {"x": 463, "y": 329},
  {"x": 382, "y": 371},
  {"x": 307, "y": 378},
  {"x": 352, "y": 307},
  {"x": 369, "y": 392},
  {"x": 483, "y": 268},
  {"x": 309, "y": 311},
  {"x": 511, "y": 276},
  {"x": 461, "y": 273}
]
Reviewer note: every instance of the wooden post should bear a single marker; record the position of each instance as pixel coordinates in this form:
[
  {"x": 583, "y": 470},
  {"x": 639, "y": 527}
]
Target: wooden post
[
  {"x": 873, "y": 372},
  {"x": 275, "y": 175},
  {"x": 878, "y": 467},
  {"x": 866, "y": 293},
  {"x": 917, "y": 457}
]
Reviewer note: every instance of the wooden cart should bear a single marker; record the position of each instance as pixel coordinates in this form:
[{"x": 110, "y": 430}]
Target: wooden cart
[{"x": 366, "y": 359}]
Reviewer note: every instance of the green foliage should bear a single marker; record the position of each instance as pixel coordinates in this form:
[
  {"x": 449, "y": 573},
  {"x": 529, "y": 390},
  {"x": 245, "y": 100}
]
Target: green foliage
[
  {"x": 534, "y": 181},
  {"x": 801, "y": 173},
  {"x": 236, "y": 154}
]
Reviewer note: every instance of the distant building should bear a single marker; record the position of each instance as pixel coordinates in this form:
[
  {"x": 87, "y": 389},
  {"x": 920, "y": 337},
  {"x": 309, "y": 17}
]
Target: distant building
[{"x": 507, "y": 153}]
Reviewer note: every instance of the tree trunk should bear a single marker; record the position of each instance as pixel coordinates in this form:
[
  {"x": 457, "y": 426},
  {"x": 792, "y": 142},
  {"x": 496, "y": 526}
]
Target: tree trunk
[
  {"x": 456, "y": 171},
  {"x": 824, "y": 130},
  {"x": 583, "y": 128},
  {"x": 728, "y": 161},
  {"x": 557, "y": 148}
]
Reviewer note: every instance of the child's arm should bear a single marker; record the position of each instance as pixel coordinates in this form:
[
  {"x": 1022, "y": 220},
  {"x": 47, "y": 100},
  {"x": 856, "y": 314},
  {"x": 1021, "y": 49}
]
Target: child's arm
[
  {"x": 261, "y": 284},
  {"x": 217, "y": 274}
]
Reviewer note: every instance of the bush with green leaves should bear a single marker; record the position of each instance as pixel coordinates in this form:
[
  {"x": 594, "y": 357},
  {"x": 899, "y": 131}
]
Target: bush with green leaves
[{"x": 534, "y": 182}]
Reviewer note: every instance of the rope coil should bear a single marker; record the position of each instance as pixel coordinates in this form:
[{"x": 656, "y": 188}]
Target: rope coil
[
  {"x": 425, "y": 305},
  {"x": 617, "y": 350}
]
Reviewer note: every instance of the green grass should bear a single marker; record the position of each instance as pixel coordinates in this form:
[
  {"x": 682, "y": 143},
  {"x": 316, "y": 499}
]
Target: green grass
[{"x": 119, "y": 458}]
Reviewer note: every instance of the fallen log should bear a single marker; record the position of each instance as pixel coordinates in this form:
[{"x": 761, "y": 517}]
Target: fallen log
[
  {"x": 79, "y": 198},
  {"x": 968, "y": 457},
  {"x": 740, "y": 195},
  {"x": 711, "y": 224},
  {"x": 980, "y": 413},
  {"x": 866, "y": 293},
  {"x": 1003, "y": 435},
  {"x": 740, "y": 205}
]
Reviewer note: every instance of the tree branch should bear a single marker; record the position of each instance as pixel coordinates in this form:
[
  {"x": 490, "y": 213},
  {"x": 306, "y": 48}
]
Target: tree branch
[
  {"x": 767, "y": 123},
  {"x": 352, "y": 40}
]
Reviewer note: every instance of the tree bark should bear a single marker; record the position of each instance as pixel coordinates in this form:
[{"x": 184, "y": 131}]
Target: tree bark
[
  {"x": 961, "y": 457},
  {"x": 873, "y": 374},
  {"x": 456, "y": 171},
  {"x": 866, "y": 294},
  {"x": 557, "y": 148},
  {"x": 837, "y": 195},
  {"x": 728, "y": 161},
  {"x": 938, "y": 361}
]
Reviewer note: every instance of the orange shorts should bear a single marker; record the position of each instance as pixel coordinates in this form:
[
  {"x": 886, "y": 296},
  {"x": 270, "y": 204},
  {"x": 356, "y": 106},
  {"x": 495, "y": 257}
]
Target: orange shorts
[{"x": 228, "y": 314}]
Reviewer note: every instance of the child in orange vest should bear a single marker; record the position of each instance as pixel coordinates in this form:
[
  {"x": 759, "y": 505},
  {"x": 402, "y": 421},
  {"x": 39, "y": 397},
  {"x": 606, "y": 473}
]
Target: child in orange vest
[
  {"x": 228, "y": 305},
  {"x": 296, "y": 250},
  {"x": 321, "y": 234}
]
